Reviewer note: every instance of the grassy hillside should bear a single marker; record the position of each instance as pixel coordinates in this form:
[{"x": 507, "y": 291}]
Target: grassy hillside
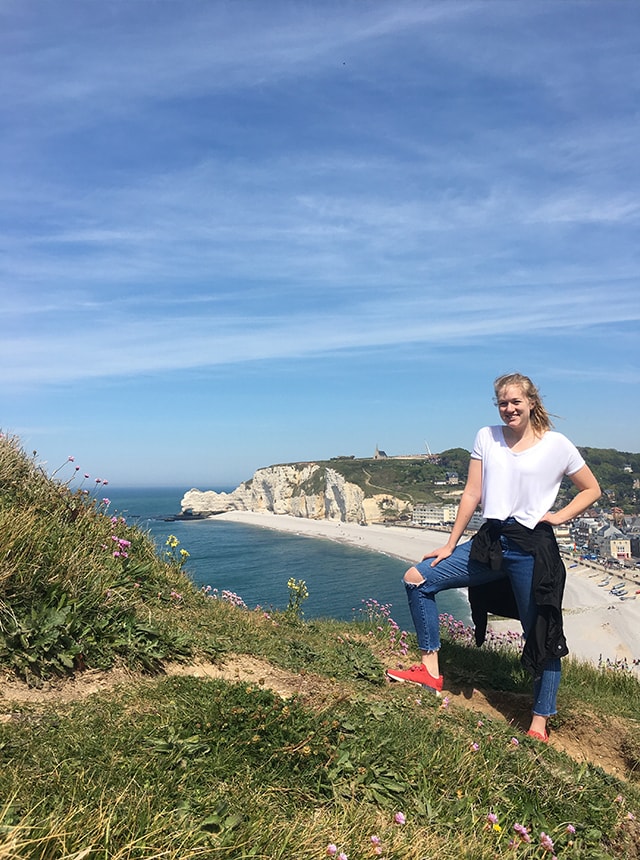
[
  {"x": 415, "y": 481},
  {"x": 298, "y": 747},
  {"x": 616, "y": 471}
]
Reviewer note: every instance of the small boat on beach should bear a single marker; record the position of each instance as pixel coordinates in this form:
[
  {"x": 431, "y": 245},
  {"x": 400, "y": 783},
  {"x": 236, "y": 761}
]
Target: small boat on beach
[{"x": 604, "y": 583}]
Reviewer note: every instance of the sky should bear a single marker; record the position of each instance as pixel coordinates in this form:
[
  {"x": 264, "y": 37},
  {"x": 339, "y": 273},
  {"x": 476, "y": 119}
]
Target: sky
[{"x": 235, "y": 234}]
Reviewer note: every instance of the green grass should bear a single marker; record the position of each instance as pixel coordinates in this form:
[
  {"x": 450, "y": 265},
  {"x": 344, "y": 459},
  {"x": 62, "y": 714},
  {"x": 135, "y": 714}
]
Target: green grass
[
  {"x": 208, "y": 766},
  {"x": 168, "y": 767}
]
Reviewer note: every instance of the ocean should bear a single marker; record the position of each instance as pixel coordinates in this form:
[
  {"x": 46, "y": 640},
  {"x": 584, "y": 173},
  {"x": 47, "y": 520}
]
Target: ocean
[{"x": 256, "y": 563}]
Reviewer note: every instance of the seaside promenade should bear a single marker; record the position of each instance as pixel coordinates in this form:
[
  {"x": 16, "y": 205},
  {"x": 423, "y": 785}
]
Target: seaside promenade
[{"x": 599, "y": 626}]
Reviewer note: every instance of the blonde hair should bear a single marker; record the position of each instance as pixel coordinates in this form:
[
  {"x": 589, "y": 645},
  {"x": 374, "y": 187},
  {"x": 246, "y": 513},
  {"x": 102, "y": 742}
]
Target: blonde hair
[{"x": 540, "y": 419}]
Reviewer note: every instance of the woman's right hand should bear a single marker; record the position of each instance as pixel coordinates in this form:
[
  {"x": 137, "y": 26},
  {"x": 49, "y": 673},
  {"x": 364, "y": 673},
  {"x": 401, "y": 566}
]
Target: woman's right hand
[{"x": 438, "y": 554}]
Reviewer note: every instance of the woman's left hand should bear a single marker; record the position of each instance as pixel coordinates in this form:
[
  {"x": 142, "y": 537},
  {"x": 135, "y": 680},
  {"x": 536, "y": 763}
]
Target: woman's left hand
[{"x": 552, "y": 519}]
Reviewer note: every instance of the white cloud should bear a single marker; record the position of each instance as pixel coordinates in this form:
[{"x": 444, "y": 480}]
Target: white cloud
[{"x": 135, "y": 343}]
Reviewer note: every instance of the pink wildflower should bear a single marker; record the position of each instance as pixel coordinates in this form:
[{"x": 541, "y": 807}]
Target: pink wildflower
[
  {"x": 514, "y": 742},
  {"x": 399, "y": 818},
  {"x": 492, "y": 823},
  {"x": 331, "y": 850},
  {"x": 522, "y": 832},
  {"x": 546, "y": 841},
  {"x": 375, "y": 840},
  {"x": 475, "y": 747},
  {"x": 570, "y": 828}
]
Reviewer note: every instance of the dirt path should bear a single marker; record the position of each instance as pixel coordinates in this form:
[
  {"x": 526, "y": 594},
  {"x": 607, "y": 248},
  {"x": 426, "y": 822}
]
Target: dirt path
[{"x": 591, "y": 740}]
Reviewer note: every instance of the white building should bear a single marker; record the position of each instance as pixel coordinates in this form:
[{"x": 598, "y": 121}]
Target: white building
[
  {"x": 434, "y": 515},
  {"x": 620, "y": 548}
]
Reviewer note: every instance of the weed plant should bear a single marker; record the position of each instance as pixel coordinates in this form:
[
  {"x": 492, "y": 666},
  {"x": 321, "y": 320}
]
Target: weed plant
[
  {"x": 77, "y": 587},
  {"x": 182, "y": 767}
]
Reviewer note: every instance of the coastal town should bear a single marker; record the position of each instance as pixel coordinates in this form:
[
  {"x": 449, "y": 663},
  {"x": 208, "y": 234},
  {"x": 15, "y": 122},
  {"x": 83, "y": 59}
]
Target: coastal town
[{"x": 610, "y": 538}]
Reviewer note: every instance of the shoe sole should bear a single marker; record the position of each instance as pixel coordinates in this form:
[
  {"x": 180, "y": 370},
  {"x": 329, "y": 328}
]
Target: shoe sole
[
  {"x": 543, "y": 739},
  {"x": 416, "y": 683}
]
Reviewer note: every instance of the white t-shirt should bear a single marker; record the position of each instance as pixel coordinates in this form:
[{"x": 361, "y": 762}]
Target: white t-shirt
[{"x": 523, "y": 484}]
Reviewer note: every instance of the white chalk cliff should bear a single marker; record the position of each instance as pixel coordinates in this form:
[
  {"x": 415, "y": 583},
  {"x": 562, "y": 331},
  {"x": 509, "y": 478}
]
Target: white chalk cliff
[{"x": 301, "y": 490}]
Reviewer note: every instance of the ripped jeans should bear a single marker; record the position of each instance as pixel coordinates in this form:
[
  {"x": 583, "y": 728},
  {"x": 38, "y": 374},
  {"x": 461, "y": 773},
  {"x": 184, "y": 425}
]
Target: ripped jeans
[{"x": 459, "y": 571}]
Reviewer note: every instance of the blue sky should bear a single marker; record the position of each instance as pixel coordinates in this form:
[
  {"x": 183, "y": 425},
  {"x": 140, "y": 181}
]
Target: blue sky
[{"x": 243, "y": 233}]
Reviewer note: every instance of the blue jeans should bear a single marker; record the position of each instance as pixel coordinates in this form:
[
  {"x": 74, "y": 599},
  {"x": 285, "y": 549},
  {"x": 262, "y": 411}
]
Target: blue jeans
[{"x": 459, "y": 571}]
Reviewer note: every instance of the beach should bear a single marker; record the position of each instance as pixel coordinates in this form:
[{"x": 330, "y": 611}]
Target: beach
[{"x": 598, "y": 625}]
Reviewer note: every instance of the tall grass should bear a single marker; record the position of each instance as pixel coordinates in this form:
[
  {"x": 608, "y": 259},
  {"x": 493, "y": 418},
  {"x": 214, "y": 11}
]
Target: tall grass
[{"x": 77, "y": 586}]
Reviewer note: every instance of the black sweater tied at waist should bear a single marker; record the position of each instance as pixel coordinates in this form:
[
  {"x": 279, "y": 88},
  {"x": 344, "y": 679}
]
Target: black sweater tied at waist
[{"x": 546, "y": 638}]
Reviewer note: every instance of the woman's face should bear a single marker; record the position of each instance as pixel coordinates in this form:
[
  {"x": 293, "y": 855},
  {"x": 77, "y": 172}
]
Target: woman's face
[{"x": 514, "y": 408}]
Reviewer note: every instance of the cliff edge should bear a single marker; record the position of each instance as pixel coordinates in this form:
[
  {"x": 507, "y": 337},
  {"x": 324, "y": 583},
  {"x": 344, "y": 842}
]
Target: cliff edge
[{"x": 305, "y": 490}]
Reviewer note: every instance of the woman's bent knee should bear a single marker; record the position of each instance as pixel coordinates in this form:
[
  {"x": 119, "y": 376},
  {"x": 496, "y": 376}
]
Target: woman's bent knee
[{"x": 413, "y": 576}]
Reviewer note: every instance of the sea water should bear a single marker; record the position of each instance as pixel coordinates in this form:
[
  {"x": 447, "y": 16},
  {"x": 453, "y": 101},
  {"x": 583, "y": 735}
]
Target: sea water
[{"x": 256, "y": 563}]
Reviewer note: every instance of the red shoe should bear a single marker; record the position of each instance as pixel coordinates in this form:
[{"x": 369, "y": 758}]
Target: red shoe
[
  {"x": 416, "y": 675},
  {"x": 544, "y": 738}
]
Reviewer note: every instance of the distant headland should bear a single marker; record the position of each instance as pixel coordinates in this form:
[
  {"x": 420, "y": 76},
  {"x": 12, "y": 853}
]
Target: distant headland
[{"x": 387, "y": 489}]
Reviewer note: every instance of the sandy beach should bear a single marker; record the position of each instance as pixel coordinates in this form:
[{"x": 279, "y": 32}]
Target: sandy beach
[{"x": 598, "y": 625}]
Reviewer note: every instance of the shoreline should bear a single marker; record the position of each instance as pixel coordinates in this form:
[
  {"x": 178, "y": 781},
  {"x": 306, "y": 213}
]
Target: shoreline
[{"x": 598, "y": 625}]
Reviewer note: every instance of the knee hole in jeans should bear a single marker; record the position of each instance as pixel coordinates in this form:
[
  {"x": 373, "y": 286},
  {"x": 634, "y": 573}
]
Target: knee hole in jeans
[{"x": 413, "y": 577}]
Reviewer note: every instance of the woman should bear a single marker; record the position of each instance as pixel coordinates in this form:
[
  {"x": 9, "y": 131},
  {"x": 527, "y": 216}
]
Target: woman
[{"x": 515, "y": 473}]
